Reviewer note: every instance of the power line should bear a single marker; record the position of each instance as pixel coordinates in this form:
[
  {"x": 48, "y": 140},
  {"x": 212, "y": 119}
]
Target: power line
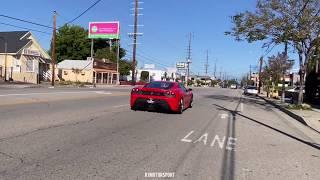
[
  {"x": 149, "y": 59},
  {"x": 84, "y": 12},
  {"x": 26, "y": 21},
  {"x": 25, "y": 28}
]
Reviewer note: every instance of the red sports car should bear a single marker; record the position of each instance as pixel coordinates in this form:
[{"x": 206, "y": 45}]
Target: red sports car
[{"x": 164, "y": 95}]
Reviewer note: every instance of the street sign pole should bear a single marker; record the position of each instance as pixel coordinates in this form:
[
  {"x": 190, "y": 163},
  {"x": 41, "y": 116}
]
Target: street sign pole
[{"x": 118, "y": 59}]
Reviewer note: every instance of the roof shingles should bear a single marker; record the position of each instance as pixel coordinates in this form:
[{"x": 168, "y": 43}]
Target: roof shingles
[{"x": 14, "y": 41}]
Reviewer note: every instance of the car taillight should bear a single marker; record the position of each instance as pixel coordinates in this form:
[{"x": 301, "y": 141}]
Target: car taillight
[
  {"x": 170, "y": 94},
  {"x": 135, "y": 91}
]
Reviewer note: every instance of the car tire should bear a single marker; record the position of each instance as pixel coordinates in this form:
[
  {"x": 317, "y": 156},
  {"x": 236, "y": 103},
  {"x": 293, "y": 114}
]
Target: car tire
[
  {"x": 134, "y": 108},
  {"x": 190, "y": 105},
  {"x": 181, "y": 107}
]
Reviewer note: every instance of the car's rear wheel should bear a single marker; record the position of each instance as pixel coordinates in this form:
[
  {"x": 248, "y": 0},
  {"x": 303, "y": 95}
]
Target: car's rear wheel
[
  {"x": 191, "y": 101},
  {"x": 181, "y": 106},
  {"x": 134, "y": 108}
]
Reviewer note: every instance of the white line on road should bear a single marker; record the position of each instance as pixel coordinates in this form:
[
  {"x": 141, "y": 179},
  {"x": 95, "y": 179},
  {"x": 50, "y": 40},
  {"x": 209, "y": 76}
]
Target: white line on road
[
  {"x": 185, "y": 139},
  {"x": 102, "y": 92},
  {"x": 241, "y": 107},
  {"x": 74, "y": 92},
  {"x": 119, "y": 106},
  {"x": 224, "y": 116}
]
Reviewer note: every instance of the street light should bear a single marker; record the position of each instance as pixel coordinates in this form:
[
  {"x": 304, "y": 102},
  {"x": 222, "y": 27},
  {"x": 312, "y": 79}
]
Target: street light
[{"x": 5, "y": 57}]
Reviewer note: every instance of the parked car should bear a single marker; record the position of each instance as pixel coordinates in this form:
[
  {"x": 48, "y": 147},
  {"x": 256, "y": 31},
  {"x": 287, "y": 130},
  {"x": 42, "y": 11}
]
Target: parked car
[
  {"x": 251, "y": 90},
  {"x": 164, "y": 95},
  {"x": 233, "y": 86},
  {"x": 296, "y": 89}
]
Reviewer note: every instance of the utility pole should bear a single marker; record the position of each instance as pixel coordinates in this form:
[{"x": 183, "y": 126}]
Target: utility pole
[
  {"x": 5, "y": 57},
  {"x": 207, "y": 63},
  {"x": 53, "y": 50},
  {"x": 283, "y": 89},
  {"x": 118, "y": 61},
  {"x": 188, "y": 59},
  {"x": 135, "y": 34},
  {"x": 260, "y": 70},
  {"x": 215, "y": 70},
  {"x": 250, "y": 73}
]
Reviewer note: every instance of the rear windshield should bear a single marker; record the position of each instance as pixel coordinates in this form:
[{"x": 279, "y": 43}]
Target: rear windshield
[
  {"x": 159, "y": 85},
  {"x": 252, "y": 87}
]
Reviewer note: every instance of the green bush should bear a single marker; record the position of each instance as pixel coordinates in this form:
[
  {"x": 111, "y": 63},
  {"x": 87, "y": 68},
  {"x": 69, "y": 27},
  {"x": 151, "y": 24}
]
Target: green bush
[{"x": 299, "y": 107}]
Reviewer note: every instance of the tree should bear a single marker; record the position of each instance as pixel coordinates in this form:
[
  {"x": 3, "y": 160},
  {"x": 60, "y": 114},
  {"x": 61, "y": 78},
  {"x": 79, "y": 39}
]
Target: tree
[
  {"x": 233, "y": 81},
  {"x": 278, "y": 65},
  {"x": 274, "y": 70},
  {"x": 214, "y": 82},
  {"x": 72, "y": 43},
  {"x": 290, "y": 22},
  {"x": 265, "y": 77},
  {"x": 111, "y": 55},
  {"x": 124, "y": 67}
]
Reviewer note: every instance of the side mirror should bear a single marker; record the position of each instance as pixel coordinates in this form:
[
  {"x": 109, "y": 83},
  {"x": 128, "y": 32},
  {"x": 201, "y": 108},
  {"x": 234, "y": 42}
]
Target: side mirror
[{"x": 189, "y": 89}]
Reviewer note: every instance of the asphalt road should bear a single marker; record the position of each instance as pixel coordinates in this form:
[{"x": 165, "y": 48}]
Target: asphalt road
[{"x": 93, "y": 134}]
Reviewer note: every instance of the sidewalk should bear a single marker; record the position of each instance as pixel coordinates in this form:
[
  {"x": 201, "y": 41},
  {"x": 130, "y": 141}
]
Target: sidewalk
[
  {"x": 309, "y": 118},
  {"x": 18, "y": 85}
]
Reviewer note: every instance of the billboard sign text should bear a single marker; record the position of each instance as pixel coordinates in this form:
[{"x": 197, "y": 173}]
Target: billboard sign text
[{"x": 104, "y": 30}]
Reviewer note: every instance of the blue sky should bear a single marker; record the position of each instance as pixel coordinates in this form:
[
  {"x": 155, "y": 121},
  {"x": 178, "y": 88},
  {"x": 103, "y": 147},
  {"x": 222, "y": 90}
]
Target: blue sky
[{"x": 166, "y": 26}]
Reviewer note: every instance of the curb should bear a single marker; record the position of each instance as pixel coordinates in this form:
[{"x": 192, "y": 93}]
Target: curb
[{"x": 289, "y": 113}]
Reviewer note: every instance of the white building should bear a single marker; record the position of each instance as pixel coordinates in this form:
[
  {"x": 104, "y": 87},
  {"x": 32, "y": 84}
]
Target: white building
[{"x": 150, "y": 73}]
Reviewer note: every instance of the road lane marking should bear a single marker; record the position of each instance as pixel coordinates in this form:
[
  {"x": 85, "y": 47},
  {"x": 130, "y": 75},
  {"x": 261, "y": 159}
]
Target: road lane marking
[
  {"x": 185, "y": 139},
  {"x": 217, "y": 139},
  {"x": 241, "y": 107},
  {"x": 224, "y": 116},
  {"x": 66, "y": 92},
  {"x": 34, "y": 101},
  {"x": 102, "y": 92},
  {"x": 204, "y": 137},
  {"x": 223, "y": 142},
  {"x": 119, "y": 106}
]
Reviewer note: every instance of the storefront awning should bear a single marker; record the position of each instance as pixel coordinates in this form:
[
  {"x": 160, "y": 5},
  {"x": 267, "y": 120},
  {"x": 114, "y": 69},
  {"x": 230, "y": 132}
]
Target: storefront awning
[
  {"x": 98, "y": 70},
  {"x": 40, "y": 59}
]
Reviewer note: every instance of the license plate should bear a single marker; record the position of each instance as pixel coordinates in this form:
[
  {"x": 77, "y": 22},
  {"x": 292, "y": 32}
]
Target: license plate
[{"x": 150, "y": 101}]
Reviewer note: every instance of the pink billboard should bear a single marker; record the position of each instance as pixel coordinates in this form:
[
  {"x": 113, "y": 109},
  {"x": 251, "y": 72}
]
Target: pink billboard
[{"x": 104, "y": 30}]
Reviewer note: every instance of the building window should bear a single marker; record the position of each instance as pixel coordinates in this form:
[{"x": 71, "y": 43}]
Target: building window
[
  {"x": 83, "y": 73},
  {"x": 30, "y": 65},
  {"x": 65, "y": 73},
  {"x": 16, "y": 65}
]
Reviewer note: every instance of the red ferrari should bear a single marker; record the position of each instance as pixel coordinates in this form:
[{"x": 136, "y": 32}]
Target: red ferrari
[{"x": 171, "y": 96}]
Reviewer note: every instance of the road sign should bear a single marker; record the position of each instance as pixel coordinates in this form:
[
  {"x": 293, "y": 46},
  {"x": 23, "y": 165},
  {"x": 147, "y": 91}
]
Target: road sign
[
  {"x": 104, "y": 30},
  {"x": 181, "y": 65}
]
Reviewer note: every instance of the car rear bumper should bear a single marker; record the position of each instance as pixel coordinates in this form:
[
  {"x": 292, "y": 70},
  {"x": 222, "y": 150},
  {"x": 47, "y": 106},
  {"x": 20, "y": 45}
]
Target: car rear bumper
[
  {"x": 159, "y": 103},
  {"x": 251, "y": 93}
]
